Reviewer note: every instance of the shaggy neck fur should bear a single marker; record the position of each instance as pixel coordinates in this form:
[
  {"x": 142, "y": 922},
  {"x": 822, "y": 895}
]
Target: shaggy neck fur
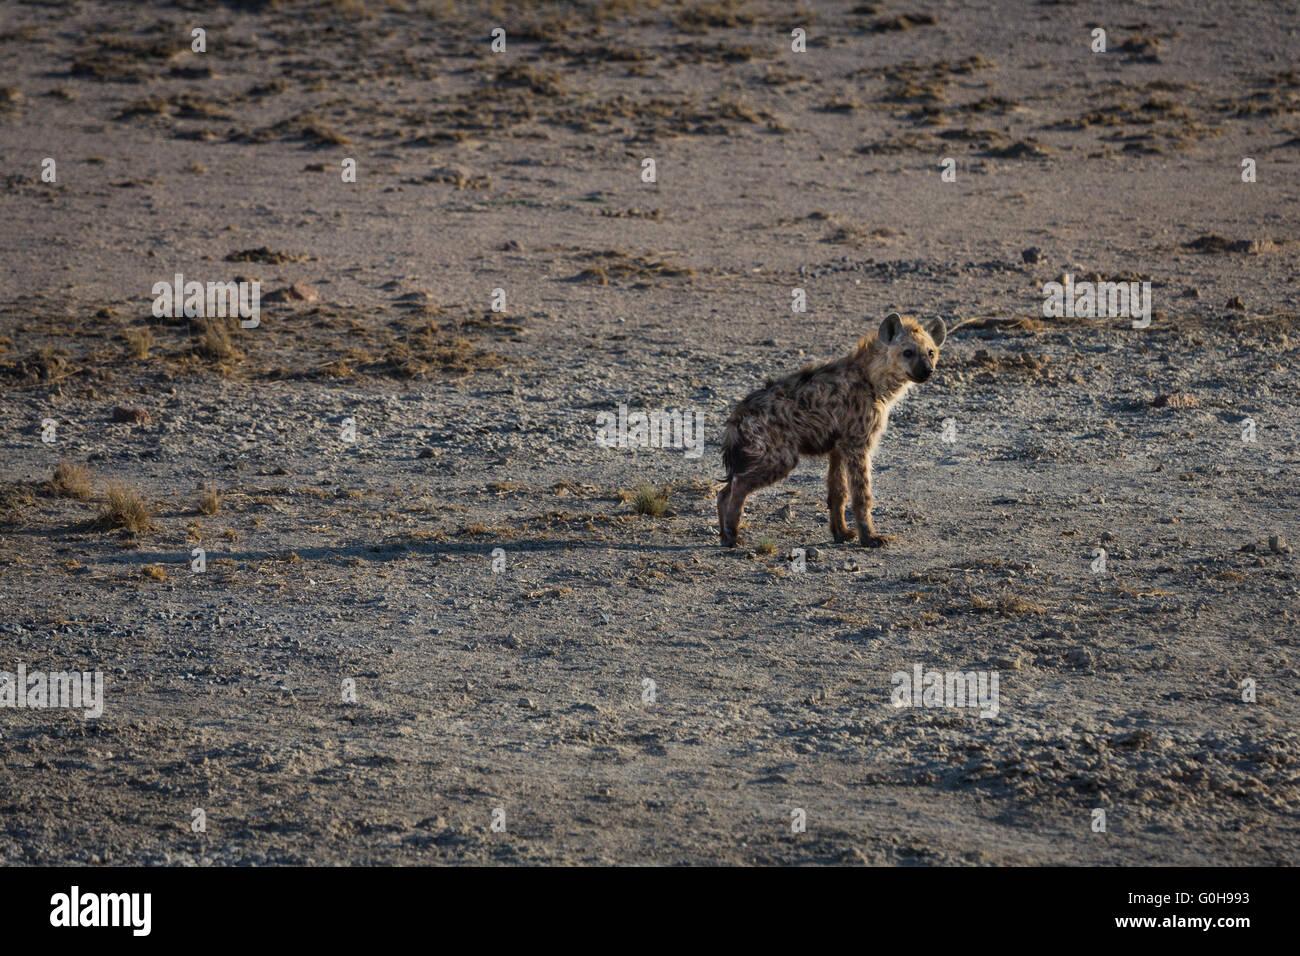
[{"x": 888, "y": 381}]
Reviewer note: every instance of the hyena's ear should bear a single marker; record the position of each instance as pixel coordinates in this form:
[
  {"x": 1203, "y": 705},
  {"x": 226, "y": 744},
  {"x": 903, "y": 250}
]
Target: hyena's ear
[
  {"x": 938, "y": 331},
  {"x": 891, "y": 328}
]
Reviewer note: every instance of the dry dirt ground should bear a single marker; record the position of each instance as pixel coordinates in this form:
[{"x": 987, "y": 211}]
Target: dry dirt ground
[{"x": 524, "y": 690}]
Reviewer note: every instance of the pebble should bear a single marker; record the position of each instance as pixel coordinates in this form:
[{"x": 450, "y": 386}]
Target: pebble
[
  {"x": 1079, "y": 657},
  {"x": 125, "y": 413}
]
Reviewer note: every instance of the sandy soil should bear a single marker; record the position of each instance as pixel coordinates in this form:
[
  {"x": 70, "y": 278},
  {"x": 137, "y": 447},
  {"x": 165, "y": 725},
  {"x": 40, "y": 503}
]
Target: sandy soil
[{"x": 370, "y": 561}]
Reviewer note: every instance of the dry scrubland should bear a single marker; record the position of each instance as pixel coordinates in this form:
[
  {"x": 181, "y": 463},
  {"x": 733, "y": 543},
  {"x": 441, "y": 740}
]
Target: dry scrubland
[{"x": 371, "y": 560}]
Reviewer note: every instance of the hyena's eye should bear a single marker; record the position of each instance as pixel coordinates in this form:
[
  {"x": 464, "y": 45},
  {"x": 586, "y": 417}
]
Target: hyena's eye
[
  {"x": 908, "y": 353},
  {"x": 931, "y": 353}
]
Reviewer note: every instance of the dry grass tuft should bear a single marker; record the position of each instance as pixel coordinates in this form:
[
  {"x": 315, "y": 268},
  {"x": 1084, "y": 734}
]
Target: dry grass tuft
[
  {"x": 216, "y": 339},
  {"x": 649, "y": 500},
  {"x": 210, "y": 503},
  {"x": 138, "y": 343},
  {"x": 615, "y": 264},
  {"x": 124, "y": 507},
  {"x": 1006, "y": 604},
  {"x": 71, "y": 481},
  {"x": 15, "y": 499}
]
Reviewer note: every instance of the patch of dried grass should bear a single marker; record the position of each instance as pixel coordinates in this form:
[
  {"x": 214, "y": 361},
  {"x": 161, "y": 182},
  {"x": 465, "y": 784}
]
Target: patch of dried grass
[
  {"x": 124, "y": 507},
  {"x": 71, "y": 481}
]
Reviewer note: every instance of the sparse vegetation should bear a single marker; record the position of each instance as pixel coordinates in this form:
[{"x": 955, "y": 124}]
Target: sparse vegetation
[
  {"x": 1006, "y": 604},
  {"x": 124, "y": 507},
  {"x": 649, "y": 500},
  {"x": 15, "y": 499},
  {"x": 216, "y": 339},
  {"x": 615, "y": 264},
  {"x": 71, "y": 481},
  {"x": 210, "y": 503},
  {"x": 139, "y": 342}
]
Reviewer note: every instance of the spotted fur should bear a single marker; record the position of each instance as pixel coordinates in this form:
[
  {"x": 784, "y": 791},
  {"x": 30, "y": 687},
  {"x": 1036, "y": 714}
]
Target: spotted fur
[{"x": 839, "y": 410}]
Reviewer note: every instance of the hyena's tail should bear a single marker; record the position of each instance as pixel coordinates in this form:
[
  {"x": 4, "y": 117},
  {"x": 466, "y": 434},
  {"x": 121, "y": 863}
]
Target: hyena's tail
[{"x": 735, "y": 457}]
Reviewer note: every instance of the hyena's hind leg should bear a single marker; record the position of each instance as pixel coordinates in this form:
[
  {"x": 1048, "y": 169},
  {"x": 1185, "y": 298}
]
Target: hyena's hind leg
[
  {"x": 858, "y": 465},
  {"x": 723, "y": 496},
  {"x": 837, "y": 491},
  {"x": 764, "y": 472}
]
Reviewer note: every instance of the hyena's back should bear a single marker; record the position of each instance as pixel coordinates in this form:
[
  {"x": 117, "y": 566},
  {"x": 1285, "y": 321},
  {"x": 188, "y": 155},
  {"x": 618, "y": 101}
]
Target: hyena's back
[{"x": 799, "y": 414}]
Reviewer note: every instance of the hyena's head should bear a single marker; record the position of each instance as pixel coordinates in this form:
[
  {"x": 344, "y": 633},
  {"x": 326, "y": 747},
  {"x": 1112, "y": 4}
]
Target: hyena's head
[{"x": 911, "y": 349}]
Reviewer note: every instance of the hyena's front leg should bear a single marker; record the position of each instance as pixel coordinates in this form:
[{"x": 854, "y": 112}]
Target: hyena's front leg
[
  {"x": 837, "y": 490},
  {"x": 858, "y": 466}
]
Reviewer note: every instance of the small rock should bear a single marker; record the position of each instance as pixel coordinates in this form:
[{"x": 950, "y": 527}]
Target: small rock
[
  {"x": 527, "y": 703},
  {"x": 298, "y": 292},
  {"x": 813, "y": 554},
  {"x": 139, "y": 416},
  {"x": 1078, "y": 657},
  {"x": 1277, "y": 544},
  {"x": 1236, "y": 303},
  {"x": 303, "y": 292},
  {"x": 1031, "y": 255}
]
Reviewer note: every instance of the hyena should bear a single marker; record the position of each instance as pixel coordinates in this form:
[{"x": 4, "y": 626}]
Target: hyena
[{"x": 839, "y": 409}]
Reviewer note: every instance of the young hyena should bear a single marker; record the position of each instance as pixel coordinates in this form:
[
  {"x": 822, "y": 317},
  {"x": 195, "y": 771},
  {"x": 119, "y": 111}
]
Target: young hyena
[{"x": 839, "y": 409}]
